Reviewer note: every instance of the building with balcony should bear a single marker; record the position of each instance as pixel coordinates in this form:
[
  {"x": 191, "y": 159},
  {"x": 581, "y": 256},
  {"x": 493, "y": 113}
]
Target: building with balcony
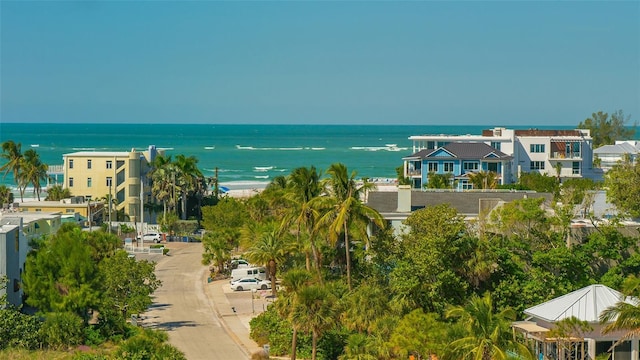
[
  {"x": 458, "y": 160},
  {"x": 560, "y": 153},
  {"x": 120, "y": 175}
]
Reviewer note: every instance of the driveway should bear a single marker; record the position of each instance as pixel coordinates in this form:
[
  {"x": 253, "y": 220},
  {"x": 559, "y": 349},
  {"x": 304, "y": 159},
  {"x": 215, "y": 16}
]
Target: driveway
[{"x": 183, "y": 308}]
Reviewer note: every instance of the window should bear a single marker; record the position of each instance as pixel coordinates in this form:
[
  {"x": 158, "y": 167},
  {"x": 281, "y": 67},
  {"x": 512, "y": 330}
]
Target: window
[
  {"x": 536, "y": 165},
  {"x": 536, "y": 148},
  {"x": 470, "y": 166},
  {"x": 576, "y": 168},
  {"x": 496, "y": 145},
  {"x": 109, "y": 181},
  {"x": 109, "y": 164},
  {"x": 70, "y": 211},
  {"x": 70, "y": 182},
  {"x": 448, "y": 167},
  {"x": 433, "y": 166},
  {"x": 70, "y": 163},
  {"x": 89, "y": 164},
  {"x": 88, "y": 182}
]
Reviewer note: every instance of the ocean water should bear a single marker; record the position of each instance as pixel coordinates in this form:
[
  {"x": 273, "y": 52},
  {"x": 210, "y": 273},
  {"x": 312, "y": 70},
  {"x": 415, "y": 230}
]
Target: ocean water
[{"x": 245, "y": 155}]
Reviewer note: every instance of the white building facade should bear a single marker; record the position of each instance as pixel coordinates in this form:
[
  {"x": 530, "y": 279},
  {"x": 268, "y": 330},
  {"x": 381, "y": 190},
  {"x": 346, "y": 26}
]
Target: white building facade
[{"x": 559, "y": 153}]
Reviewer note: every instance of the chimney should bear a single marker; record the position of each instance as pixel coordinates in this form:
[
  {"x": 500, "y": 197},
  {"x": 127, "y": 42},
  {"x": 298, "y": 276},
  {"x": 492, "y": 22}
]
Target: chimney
[{"x": 404, "y": 198}]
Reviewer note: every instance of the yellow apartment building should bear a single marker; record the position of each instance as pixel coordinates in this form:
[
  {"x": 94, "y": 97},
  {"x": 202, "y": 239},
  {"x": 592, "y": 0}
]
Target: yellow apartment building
[{"x": 97, "y": 174}]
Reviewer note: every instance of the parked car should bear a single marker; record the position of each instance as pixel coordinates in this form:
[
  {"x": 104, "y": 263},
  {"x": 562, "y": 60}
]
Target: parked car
[
  {"x": 155, "y": 237},
  {"x": 250, "y": 284},
  {"x": 239, "y": 263}
]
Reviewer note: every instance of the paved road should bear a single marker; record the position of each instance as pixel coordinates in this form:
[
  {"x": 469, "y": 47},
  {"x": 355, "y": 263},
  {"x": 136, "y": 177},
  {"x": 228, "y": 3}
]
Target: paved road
[{"x": 182, "y": 308}]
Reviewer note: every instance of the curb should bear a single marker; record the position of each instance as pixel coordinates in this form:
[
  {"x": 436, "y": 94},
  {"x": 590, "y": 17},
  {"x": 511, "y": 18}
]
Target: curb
[{"x": 221, "y": 317}]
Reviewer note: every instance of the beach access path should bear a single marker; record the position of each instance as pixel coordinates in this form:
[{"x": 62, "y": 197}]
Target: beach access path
[{"x": 199, "y": 315}]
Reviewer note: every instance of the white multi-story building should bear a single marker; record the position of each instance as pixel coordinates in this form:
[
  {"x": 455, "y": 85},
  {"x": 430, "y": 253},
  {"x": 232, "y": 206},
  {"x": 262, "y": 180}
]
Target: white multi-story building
[{"x": 561, "y": 153}]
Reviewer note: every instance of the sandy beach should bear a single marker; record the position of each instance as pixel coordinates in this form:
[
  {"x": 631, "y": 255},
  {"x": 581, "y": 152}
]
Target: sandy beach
[{"x": 241, "y": 193}]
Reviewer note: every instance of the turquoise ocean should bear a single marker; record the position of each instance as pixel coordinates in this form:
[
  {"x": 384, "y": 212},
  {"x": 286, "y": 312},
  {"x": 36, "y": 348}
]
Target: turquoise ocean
[{"x": 246, "y": 155}]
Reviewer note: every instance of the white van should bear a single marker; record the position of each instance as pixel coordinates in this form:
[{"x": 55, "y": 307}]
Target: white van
[{"x": 251, "y": 272}]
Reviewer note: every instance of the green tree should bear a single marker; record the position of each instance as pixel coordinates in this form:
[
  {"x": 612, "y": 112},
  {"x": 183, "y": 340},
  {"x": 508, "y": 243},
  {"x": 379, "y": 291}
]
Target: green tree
[
  {"x": 419, "y": 333},
  {"x": 623, "y": 187},
  {"x": 163, "y": 182},
  {"x": 606, "y": 130},
  {"x": 303, "y": 186},
  {"x": 6, "y": 196},
  {"x": 625, "y": 314},
  {"x": 488, "y": 334},
  {"x": 439, "y": 181},
  {"x": 315, "y": 311},
  {"x": 62, "y": 276},
  {"x": 57, "y": 193},
  {"x": 127, "y": 285},
  {"x": 429, "y": 270},
  {"x": 34, "y": 171},
  {"x": 216, "y": 250},
  {"x": 538, "y": 182},
  {"x": 522, "y": 218},
  {"x": 293, "y": 282},
  {"x": 402, "y": 180},
  {"x": 363, "y": 307},
  {"x": 187, "y": 178},
  {"x": 344, "y": 210},
  {"x": 484, "y": 179},
  {"x": 12, "y": 153},
  {"x": 268, "y": 247}
]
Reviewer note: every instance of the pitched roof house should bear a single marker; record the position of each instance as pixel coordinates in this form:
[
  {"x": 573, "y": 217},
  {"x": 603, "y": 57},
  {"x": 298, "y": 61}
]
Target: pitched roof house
[{"x": 586, "y": 304}]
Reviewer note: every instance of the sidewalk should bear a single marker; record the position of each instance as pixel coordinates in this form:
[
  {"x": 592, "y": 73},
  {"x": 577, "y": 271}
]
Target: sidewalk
[{"x": 235, "y": 309}]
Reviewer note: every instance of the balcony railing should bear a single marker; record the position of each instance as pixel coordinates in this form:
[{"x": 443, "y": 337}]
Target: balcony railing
[{"x": 558, "y": 155}]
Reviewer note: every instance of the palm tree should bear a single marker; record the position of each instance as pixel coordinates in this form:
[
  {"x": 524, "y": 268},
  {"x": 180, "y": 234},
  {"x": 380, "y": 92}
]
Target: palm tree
[
  {"x": 216, "y": 249},
  {"x": 6, "y": 196},
  {"x": 162, "y": 176},
  {"x": 315, "y": 311},
  {"x": 484, "y": 179},
  {"x": 57, "y": 193},
  {"x": 345, "y": 208},
  {"x": 33, "y": 170},
  {"x": 12, "y": 153},
  {"x": 488, "y": 334},
  {"x": 269, "y": 248},
  {"x": 625, "y": 314},
  {"x": 187, "y": 177},
  {"x": 303, "y": 186},
  {"x": 293, "y": 282},
  {"x": 363, "y": 306}
]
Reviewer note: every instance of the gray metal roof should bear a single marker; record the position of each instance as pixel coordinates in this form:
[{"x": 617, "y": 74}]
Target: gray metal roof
[
  {"x": 622, "y": 148},
  {"x": 585, "y": 304},
  {"x": 466, "y": 203},
  {"x": 464, "y": 150}
]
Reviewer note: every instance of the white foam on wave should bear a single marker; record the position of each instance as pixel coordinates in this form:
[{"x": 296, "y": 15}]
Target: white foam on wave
[
  {"x": 261, "y": 176},
  {"x": 209, "y": 147},
  {"x": 387, "y": 147},
  {"x": 262, "y": 168},
  {"x": 295, "y": 148}
]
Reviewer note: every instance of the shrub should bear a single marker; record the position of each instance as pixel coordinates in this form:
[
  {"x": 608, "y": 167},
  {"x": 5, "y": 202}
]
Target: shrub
[
  {"x": 19, "y": 330},
  {"x": 62, "y": 330}
]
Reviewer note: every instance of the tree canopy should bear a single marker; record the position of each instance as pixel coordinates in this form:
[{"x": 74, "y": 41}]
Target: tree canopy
[{"x": 605, "y": 129}]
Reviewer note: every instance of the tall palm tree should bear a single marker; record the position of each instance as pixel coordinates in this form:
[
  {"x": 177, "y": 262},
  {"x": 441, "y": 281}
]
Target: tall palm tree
[
  {"x": 34, "y": 171},
  {"x": 625, "y": 314},
  {"x": 488, "y": 334},
  {"x": 293, "y": 282},
  {"x": 345, "y": 208},
  {"x": 315, "y": 310},
  {"x": 162, "y": 176},
  {"x": 269, "y": 248},
  {"x": 484, "y": 179},
  {"x": 12, "y": 153},
  {"x": 303, "y": 186},
  {"x": 187, "y": 177}
]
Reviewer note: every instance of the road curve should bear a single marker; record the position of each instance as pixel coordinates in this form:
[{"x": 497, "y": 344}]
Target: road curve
[{"x": 181, "y": 307}]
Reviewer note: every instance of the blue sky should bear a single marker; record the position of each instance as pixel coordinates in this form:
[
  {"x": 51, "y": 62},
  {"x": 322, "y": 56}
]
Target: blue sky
[{"x": 319, "y": 62}]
